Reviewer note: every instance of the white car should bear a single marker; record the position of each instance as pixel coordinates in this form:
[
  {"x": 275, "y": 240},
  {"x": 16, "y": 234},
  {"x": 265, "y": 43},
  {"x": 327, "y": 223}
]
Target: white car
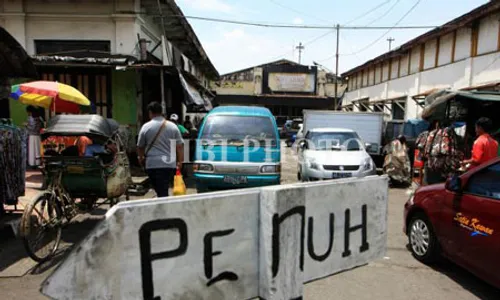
[{"x": 332, "y": 153}]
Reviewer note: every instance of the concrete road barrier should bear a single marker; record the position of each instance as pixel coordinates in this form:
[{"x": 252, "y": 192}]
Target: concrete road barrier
[{"x": 229, "y": 245}]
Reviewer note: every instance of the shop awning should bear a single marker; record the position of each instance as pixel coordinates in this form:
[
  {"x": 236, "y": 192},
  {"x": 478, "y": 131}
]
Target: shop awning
[
  {"x": 196, "y": 98},
  {"x": 85, "y": 58}
]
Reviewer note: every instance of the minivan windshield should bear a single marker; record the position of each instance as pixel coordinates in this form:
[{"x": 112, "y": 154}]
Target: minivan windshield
[
  {"x": 236, "y": 129},
  {"x": 339, "y": 141}
]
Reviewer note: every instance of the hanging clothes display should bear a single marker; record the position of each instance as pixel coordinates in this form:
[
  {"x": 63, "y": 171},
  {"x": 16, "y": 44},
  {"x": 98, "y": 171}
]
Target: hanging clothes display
[
  {"x": 12, "y": 163},
  {"x": 441, "y": 150}
]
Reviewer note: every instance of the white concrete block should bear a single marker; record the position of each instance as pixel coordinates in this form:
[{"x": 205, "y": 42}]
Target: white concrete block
[
  {"x": 346, "y": 225},
  {"x": 282, "y": 232},
  {"x": 197, "y": 247},
  {"x": 229, "y": 245}
]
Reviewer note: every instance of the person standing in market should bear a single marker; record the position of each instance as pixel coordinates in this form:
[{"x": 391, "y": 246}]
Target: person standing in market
[
  {"x": 160, "y": 149},
  {"x": 397, "y": 162},
  {"x": 485, "y": 147},
  {"x": 175, "y": 119},
  {"x": 188, "y": 124},
  {"x": 34, "y": 126}
]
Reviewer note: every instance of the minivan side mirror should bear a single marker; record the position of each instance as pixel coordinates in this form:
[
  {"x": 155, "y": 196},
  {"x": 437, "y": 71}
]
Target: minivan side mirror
[
  {"x": 303, "y": 144},
  {"x": 454, "y": 184}
]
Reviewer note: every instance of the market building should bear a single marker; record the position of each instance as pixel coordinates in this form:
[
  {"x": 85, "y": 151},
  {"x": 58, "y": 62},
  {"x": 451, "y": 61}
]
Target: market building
[
  {"x": 461, "y": 54},
  {"x": 122, "y": 54},
  {"x": 283, "y": 86}
]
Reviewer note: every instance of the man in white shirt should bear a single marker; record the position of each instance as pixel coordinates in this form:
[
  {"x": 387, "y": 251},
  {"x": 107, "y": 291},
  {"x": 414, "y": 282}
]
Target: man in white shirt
[{"x": 160, "y": 149}]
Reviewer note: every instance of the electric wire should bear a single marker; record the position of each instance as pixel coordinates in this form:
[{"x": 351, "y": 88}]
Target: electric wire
[{"x": 367, "y": 12}]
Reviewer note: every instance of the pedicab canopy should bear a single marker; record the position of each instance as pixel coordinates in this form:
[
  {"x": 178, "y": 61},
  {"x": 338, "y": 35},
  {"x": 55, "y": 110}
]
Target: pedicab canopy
[
  {"x": 438, "y": 108},
  {"x": 93, "y": 126}
]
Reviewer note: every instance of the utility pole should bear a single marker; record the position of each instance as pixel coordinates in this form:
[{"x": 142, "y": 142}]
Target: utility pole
[
  {"x": 390, "y": 40},
  {"x": 300, "y": 48},
  {"x": 337, "y": 68}
]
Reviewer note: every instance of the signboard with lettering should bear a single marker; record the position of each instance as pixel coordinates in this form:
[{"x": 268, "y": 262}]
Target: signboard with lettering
[
  {"x": 292, "y": 82},
  {"x": 230, "y": 245},
  {"x": 231, "y": 85}
]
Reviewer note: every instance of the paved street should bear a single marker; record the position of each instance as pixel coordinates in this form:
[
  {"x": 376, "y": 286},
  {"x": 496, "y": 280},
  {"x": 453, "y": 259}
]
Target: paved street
[{"x": 397, "y": 276}]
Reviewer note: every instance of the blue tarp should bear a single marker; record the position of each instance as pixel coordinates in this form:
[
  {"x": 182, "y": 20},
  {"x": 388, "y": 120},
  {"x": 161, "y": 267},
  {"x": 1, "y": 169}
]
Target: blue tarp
[{"x": 414, "y": 127}]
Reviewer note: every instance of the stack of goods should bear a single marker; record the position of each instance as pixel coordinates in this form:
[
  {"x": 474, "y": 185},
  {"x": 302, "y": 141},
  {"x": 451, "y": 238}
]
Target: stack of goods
[
  {"x": 12, "y": 163},
  {"x": 56, "y": 144},
  {"x": 440, "y": 149}
]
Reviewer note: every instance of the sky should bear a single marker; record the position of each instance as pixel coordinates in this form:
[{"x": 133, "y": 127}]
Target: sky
[{"x": 232, "y": 47}]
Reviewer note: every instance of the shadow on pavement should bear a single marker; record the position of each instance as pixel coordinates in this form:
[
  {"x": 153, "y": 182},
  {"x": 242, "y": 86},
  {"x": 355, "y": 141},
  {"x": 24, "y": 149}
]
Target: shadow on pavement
[
  {"x": 467, "y": 280},
  {"x": 45, "y": 266},
  {"x": 15, "y": 261}
]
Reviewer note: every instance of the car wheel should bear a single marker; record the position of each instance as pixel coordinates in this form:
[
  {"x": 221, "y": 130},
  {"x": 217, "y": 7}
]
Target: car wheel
[{"x": 422, "y": 240}]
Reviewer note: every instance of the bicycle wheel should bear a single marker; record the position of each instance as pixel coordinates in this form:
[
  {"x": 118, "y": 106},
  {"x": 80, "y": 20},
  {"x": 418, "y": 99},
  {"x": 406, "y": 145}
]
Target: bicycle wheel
[{"x": 41, "y": 227}]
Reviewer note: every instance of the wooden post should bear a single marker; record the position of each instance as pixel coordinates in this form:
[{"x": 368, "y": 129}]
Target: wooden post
[
  {"x": 453, "y": 46},
  {"x": 409, "y": 62},
  {"x": 436, "y": 59}
]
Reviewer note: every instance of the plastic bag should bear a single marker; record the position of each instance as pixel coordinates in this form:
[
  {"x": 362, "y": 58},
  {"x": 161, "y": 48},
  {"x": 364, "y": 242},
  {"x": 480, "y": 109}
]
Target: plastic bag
[{"x": 179, "y": 186}]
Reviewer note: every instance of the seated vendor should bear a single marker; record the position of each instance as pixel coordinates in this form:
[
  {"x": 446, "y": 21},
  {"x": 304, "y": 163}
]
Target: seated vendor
[
  {"x": 82, "y": 142},
  {"x": 485, "y": 147}
]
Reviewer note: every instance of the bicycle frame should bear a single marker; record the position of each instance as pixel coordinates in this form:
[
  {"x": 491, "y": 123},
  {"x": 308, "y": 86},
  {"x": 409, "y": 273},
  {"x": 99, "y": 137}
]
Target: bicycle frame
[{"x": 61, "y": 196}]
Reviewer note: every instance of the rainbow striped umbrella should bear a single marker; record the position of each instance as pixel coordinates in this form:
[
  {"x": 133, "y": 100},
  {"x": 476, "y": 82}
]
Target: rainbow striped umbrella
[{"x": 57, "y": 96}]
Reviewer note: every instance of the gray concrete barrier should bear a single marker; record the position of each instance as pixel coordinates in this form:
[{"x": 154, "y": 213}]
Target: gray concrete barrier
[{"x": 229, "y": 245}]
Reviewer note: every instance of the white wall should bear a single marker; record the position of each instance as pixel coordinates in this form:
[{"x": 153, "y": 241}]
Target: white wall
[
  {"x": 462, "y": 47},
  {"x": 82, "y": 7},
  {"x": 488, "y": 28},
  {"x": 454, "y": 71},
  {"x": 75, "y": 20},
  {"x": 415, "y": 60},
  {"x": 430, "y": 54},
  {"x": 385, "y": 70},
  {"x": 112, "y": 20},
  {"x": 442, "y": 77},
  {"x": 358, "y": 80},
  {"x": 394, "y": 68},
  {"x": 445, "y": 48},
  {"x": 486, "y": 69},
  {"x": 464, "y": 73},
  {"x": 378, "y": 69},
  {"x": 404, "y": 65},
  {"x": 371, "y": 76}
]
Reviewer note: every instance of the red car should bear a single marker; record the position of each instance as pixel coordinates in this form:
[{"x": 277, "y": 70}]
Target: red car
[{"x": 459, "y": 220}]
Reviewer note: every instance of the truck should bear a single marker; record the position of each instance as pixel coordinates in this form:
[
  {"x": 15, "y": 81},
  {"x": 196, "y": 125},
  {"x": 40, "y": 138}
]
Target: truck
[{"x": 368, "y": 125}]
